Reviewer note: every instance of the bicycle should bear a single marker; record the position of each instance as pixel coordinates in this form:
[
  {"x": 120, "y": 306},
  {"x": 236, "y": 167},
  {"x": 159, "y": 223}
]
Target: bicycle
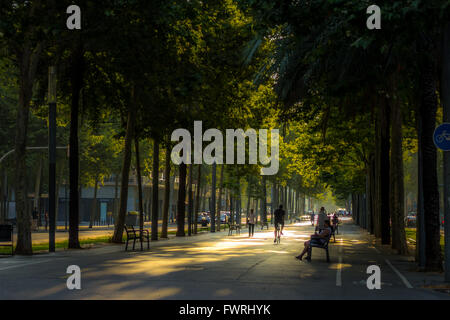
[{"x": 443, "y": 136}]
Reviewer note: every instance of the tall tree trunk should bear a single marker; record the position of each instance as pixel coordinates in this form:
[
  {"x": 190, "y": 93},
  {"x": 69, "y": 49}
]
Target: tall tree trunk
[
  {"x": 139, "y": 182},
  {"x": 248, "y": 197},
  {"x": 219, "y": 199},
  {"x": 150, "y": 203},
  {"x": 226, "y": 200},
  {"x": 172, "y": 190},
  {"x": 264, "y": 201},
  {"x": 303, "y": 205},
  {"x": 377, "y": 180},
  {"x": 181, "y": 207},
  {"x": 74, "y": 204},
  {"x": 372, "y": 194},
  {"x": 155, "y": 189},
  {"x": 238, "y": 207},
  {"x": 119, "y": 223},
  {"x": 94, "y": 204},
  {"x": 384, "y": 171},
  {"x": 203, "y": 197},
  {"x": 212, "y": 202},
  {"x": 427, "y": 113},
  {"x": 167, "y": 186},
  {"x": 197, "y": 197},
  {"x": 28, "y": 61},
  {"x": 420, "y": 222},
  {"x": 37, "y": 185},
  {"x": 190, "y": 200},
  {"x": 397, "y": 187},
  {"x": 231, "y": 209}
]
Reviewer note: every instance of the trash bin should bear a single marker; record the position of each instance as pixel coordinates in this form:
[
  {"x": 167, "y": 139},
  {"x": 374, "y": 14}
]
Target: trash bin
[{"x": 132, "y": 218}]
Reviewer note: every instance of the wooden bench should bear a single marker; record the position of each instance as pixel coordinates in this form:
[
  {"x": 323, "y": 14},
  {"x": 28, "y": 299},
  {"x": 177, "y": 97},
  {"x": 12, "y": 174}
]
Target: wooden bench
[
  {"x": 133, "y": 234},
  {"x": 232, "y": 227},
  {"x": 321, "y": 246},
  {"x": 6, "y": 235}
]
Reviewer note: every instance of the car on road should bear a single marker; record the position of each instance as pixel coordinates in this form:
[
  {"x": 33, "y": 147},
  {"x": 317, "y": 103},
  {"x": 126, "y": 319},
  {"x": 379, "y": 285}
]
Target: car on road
[
  {"x": 223, "y": 218},
  {"x": 203, "y": 219},
  {"x": 411, "y": 219}
]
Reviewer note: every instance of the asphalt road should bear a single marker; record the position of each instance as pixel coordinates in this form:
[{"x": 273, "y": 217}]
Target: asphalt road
[{"x": 220, "y": 267}]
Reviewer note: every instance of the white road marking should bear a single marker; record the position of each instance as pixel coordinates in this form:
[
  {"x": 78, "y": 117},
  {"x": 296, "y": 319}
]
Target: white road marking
[
  {"x": 402, "y": 277},
  {"x": 338, "y": 273},
  {"x": 22, "y": 265}
]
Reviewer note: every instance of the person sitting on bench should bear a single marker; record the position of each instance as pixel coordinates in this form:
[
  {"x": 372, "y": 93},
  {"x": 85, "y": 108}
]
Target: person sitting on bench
[{"x": 317, "y": 238}]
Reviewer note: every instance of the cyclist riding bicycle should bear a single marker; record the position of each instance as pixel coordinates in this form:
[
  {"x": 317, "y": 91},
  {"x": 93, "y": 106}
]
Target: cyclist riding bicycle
[{"x": 279, "y": 220}]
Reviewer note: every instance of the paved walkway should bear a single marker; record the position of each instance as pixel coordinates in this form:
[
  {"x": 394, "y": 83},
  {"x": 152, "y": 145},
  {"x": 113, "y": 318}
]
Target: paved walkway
[{"x": 215, "y": 266}]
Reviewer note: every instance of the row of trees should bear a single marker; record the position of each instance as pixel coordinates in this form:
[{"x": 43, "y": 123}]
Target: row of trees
[
  {"x": 359, "y": 93},
  {"x": 350, "y": 102},
  {"x": 136, "y": 71}
]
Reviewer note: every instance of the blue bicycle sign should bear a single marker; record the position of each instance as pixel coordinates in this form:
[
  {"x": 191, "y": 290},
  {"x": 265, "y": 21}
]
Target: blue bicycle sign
[{"x": 441, "y": 137}]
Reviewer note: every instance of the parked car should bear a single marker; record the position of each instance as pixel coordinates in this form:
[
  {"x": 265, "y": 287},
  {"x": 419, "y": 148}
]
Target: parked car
[
  {"x": 411, "y": 219},
  {"x": 223, "y": 218},
  {"x": 203, "y": 219}
]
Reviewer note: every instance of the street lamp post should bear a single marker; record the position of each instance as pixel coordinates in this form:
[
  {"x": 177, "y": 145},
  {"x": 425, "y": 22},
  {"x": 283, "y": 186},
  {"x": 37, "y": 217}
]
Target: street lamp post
[{"x": 52, "y": 155}]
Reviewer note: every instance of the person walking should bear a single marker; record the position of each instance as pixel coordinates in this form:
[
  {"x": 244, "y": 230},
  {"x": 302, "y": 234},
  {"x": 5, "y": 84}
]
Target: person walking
[{"x": 251, "y": 223}]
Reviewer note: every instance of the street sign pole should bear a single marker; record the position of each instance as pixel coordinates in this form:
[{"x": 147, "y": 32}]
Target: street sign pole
[
  {"x": 445, "y": 92},
  {"x": 52, "y": 156}
]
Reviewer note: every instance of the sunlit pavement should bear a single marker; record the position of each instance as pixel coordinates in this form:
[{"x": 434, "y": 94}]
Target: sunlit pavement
[{"x": 220, "y": 267}]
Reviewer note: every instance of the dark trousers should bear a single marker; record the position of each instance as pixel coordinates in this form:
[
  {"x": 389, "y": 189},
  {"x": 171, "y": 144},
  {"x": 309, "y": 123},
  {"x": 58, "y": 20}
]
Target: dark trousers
[{"x": 251, "y": 229}]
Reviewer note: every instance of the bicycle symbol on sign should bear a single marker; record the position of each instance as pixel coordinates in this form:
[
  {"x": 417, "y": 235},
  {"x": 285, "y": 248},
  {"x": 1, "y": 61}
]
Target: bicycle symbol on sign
[{"x": 443, "y": 136}]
